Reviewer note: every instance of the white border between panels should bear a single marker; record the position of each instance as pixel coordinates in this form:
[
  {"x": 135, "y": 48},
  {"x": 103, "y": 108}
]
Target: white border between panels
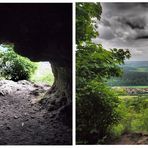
[{"x": 74, "y": 77}]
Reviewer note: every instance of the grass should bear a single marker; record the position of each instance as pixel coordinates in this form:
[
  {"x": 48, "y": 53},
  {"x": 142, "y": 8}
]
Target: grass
[
  {"x": 43, "y": 74},
  {"x": 135, "y": 86},
  {"x": 134, "y": 112},
  {"x": 128, "y": 97}
]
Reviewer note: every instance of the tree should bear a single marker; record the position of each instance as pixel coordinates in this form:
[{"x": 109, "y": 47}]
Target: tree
[{"x": 96, "y": 103}]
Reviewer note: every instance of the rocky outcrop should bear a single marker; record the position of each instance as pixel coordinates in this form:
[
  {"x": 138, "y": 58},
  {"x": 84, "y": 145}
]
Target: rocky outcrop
[{"x": 42, "y": 32}]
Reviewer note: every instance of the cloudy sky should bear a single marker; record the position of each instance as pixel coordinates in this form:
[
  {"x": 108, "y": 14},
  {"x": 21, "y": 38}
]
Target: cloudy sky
[{"x": 125, "y": 25}]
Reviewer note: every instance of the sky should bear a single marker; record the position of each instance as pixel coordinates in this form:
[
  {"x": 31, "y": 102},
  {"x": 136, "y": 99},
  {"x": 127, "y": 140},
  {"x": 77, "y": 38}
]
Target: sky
[
  {"x": 125, "y": 25},
  {"x": 3, "y": 48}
]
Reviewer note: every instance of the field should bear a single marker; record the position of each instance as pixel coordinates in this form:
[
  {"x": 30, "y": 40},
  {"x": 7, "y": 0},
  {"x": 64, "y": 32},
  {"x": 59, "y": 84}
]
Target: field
[{"x": 134, "y": 86}]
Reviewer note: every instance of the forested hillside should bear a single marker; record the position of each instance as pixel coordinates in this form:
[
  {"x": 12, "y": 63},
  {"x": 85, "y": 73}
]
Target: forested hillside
[{"x": 134, "y": 73}]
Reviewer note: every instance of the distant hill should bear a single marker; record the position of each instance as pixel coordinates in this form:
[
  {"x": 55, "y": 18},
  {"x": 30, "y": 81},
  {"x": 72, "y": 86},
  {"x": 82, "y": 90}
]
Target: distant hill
[
  {"x": 136, "y": 63},
  {"x": 135, "y": 73}
]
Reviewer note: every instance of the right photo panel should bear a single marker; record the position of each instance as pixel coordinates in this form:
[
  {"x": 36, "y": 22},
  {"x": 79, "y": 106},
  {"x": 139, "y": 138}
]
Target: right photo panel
[{"x": 112, "y": 73}]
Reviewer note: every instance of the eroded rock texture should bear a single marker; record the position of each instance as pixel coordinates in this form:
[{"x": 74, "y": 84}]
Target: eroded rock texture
[
  {"x": 43, "y": 32},
  {"x": 24, "y": 121}
]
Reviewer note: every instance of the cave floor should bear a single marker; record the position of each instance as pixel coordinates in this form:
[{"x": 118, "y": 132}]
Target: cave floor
[{"x": 23, "y": 121}]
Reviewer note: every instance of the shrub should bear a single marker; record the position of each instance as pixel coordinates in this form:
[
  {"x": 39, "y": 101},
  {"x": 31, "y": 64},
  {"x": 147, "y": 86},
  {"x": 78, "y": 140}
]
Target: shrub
[
  {"x": 96, "y": 112},
  {"x": 117, "y": 130},
  {"x": 15, "y": 67}
]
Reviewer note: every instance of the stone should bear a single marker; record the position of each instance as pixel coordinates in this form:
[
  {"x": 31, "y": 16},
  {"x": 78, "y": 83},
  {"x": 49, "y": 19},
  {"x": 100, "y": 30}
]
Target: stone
[
  {"x": 2, "y": 93},
  {"x": 8, "y": 128},
  {"x": 16, "y": 117},
  {"x": 22, "y": 124}
]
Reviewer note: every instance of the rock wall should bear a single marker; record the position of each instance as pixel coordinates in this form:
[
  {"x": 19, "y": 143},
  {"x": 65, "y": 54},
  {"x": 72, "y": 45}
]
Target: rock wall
[{"x": 42, "y": 32}]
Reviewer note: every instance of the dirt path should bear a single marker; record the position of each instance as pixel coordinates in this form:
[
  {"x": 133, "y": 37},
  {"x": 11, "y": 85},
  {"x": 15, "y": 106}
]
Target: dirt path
[
  {"x": 132, "y": 139},
  {"x": 23, "y": 121}
]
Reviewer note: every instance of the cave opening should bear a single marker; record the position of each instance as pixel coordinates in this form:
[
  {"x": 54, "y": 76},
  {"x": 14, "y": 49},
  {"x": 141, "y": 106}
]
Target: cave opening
[
  {"x": 17, "y": 70},
  {"x": 30, "y": 103},
  {"x": 11, "y": 64}
]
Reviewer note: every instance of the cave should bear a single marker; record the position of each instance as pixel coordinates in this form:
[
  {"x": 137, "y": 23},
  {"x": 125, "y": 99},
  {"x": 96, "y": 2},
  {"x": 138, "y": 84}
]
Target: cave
[{"x": 43, "y": 32}]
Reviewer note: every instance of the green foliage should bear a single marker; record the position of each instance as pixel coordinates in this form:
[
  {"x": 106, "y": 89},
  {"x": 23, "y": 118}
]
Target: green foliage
[
  {"x": 47, "y": 77},
  {"x": 134, "y": 116},
  {"x": 93, "y": 61},
  {"x": 96, "y": 103},
  {"x": 15, "y": 67},
  {"x": 86, "y": 15},
  {"x": 117, "y": 130},
  {"x": 120, "y": 90},
  {"x": 43, "y": 74},
  {"x": 145, "y": 119},
  {"x": 95, "y": 111}
]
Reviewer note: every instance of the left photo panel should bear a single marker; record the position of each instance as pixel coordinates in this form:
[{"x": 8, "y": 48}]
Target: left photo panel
[{"x": 36, "y": 74}]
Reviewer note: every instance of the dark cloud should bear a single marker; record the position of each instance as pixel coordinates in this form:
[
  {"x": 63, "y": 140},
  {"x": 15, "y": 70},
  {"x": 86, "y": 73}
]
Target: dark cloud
[
  {"x": 125, "y": 25},
  {"x": 143, "y": 4},
  {"x": 123, "y": 6},
  {"x": 136, "y": 22},
  {"x": 142, "y": 37},
  {"x": 134, "y": 25}
]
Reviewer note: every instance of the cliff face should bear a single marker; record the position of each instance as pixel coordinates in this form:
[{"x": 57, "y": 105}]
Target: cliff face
[{"x": 42, "y": 32}]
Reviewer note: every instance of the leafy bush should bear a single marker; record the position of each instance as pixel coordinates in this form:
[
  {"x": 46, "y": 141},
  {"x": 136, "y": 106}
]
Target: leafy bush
[
  {"x": 15, "y": 67},
  {"x": 96, "y": 111},
  {"x": 117, "y": 130}
]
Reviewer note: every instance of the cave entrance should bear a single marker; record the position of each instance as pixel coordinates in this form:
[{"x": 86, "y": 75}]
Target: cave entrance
[
  {"x": 20, "y": 70},
  {"x": 11, "y": 63},
  {"x": 30, "y": 102}
]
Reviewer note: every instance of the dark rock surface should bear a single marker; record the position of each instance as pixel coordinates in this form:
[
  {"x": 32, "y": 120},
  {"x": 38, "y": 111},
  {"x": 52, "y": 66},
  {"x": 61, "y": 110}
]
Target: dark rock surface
[
  {"x": 25, "y": 121},
  {"x": 41, "y": 32}
]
